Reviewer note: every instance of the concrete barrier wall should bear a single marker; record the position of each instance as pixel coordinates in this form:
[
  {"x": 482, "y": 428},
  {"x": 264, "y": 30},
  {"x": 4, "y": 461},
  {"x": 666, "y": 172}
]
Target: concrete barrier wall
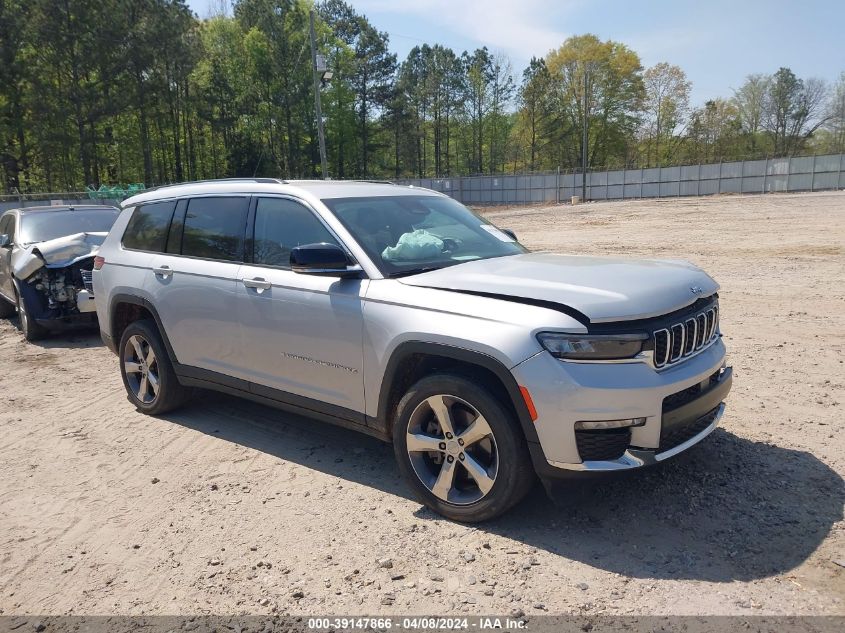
[{"x": 804, "y": 173}]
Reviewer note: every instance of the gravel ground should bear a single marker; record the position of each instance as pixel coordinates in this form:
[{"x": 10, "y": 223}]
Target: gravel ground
[{"x": 228, "y": 507}]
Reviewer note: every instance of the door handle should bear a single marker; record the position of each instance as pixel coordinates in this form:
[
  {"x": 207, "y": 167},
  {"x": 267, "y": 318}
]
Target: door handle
[
  {"x": 258, "y": 283},
  {"x": 163, "y": 271}
]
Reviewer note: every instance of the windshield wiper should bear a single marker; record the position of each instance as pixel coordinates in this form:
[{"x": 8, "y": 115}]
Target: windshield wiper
[{"x": 413, "y": 271}]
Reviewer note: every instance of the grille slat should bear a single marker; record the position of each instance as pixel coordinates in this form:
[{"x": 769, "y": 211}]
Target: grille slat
[
  {"x": 692, "y": 335},
  {"x": 87, "y": 279},
  {"x": 661, "y": 347},
  {"x": 685, "y": 338},
  {"x": 701, "y": 320},
  {"x": 677, "y": 342}
]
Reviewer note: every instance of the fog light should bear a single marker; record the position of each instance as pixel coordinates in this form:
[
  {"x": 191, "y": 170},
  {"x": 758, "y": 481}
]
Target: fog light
[{"x": 596, "y": 425}]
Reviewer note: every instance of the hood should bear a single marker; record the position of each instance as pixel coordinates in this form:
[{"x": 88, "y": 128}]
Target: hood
[
  {"x": 57, "y": 253},
  {"x": 600, "y": 288}
]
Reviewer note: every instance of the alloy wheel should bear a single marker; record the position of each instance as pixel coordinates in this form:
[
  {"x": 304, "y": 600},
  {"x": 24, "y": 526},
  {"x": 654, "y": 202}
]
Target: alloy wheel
[
  {"x": 23, "y": 317},
  {"x": 141, "y": 368},
  {"x": 452, "y": 449}
]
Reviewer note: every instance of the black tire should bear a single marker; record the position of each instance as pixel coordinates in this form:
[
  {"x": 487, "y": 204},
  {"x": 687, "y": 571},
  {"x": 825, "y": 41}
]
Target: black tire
[
  {"x": 513, "y": 473},
  {"x": 169, "y": 393},
  {"x": 7, "y": 308},
  {"x": 29, "y": 328}
]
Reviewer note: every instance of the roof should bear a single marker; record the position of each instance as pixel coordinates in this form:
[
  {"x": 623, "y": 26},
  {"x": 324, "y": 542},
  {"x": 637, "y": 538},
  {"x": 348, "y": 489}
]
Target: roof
[
  {"x": 65, "y": 207},
  {"x": 323, "y": 189}
]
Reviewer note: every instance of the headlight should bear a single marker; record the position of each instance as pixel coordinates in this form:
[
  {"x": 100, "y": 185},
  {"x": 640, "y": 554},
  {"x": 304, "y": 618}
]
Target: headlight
[{"x": 592, "y": 346}]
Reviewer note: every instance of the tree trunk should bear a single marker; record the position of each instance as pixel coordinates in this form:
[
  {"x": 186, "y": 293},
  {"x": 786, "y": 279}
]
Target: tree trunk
[
  {"x": 144, "y": 127},
  {"x": 177, "y": 145},
  {"x": 365, "y": 139}
]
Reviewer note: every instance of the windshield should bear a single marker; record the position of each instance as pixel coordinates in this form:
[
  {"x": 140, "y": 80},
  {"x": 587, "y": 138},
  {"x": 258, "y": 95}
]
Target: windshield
[
  {"x": 404, "y": 235},
  {"x": 48, "y": 225}
]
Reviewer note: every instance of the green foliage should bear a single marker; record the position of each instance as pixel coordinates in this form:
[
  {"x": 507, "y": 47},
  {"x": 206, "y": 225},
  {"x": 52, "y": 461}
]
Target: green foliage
[
  {"x": 97, "y": 92},
  {"x": 614, "y": 96},
  {"x": 664, "y": 111}
]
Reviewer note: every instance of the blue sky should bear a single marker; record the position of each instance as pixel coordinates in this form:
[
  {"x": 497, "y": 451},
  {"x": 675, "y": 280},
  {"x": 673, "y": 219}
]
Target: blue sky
[{"x": 716, "y": 42}]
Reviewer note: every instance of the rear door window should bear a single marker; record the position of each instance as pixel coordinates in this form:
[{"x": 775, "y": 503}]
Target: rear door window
[
  {"x": 214, "y": 228},
  {"x": 148, "y": 226}
]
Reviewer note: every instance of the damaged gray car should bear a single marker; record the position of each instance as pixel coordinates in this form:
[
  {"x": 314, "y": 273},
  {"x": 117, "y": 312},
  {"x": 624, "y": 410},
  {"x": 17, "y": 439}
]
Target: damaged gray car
[{"x": 46, "y": 257}]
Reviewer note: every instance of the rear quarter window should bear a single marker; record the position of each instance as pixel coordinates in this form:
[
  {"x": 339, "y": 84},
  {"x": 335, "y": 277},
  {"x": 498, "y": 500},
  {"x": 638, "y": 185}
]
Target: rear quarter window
[{"x": 148, "y": 226}]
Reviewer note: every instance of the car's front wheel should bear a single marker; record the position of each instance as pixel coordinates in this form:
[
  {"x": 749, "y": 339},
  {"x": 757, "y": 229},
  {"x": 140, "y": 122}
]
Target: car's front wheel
[
  {"x": 461, "y": 449},
  {"x": 7, "y": 308},
  {"x": 29, "y": 328},
  {"x": 151, "y": 383}
]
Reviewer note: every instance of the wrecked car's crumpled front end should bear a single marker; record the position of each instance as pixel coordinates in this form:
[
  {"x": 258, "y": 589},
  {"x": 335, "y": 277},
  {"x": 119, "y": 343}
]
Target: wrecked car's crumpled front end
[{"x": 55, "y": 279}]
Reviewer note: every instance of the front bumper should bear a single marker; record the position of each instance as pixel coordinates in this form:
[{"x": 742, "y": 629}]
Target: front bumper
[
  {"x": 565, "y": 393},
  {"x": 637, "y": 457}
]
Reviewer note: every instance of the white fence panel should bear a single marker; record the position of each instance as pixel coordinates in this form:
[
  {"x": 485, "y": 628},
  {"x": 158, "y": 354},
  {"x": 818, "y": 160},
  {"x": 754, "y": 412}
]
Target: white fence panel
[{"x": 805, "y": 173}]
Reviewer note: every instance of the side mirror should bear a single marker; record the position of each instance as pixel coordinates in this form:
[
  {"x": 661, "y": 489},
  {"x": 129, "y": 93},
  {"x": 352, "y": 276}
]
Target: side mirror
[
  {"x": 322, "y": 259},
  {"x": 5, "y": 241},
  {"x": 509, "y": 233}
]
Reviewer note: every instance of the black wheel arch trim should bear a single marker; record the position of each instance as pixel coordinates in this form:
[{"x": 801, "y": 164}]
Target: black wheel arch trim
[
  {"x": 380, "y": 428},
  {"x": 190, "y": 376},
  {"x": 451, "y": 352},
  {"x": 146, "y": 304}
]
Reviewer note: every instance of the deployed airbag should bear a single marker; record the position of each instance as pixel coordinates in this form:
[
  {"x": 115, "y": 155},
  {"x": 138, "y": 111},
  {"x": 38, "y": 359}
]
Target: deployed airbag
[{"x": 417, "y": 245}]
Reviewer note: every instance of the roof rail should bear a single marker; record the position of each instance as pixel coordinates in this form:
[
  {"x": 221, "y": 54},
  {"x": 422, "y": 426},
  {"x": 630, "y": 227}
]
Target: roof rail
[{"x": 273, "y": 181}]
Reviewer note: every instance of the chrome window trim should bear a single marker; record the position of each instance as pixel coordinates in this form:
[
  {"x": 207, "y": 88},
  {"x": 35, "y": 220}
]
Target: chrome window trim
[{"x": 352, "y": 268}]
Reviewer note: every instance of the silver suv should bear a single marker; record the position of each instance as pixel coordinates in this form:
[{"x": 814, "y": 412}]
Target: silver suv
[{"x": 398, "y": 312}]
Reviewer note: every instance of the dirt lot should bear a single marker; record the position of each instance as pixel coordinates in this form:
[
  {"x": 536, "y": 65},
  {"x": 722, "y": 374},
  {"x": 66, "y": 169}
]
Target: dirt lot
[{"x": 229, "y": 507}]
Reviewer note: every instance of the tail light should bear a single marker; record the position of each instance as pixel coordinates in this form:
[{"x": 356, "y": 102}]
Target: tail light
[{"x": 98, "y": 262}]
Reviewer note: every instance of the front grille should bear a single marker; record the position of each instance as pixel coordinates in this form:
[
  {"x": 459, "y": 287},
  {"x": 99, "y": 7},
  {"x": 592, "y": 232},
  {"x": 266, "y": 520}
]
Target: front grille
[
  {"x": 676, "y": 342},
  {"x": 603, "y": 444},
  {"x": 681, "y": 433},
  {"x": 87, "y": 279}
]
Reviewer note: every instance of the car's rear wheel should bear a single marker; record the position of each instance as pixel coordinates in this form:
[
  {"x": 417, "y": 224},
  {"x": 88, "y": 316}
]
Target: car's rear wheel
[
  {"x": 151, "y": 383},
  {"x": 461, "y": 449},
  {"x": 26, "y": 323}
]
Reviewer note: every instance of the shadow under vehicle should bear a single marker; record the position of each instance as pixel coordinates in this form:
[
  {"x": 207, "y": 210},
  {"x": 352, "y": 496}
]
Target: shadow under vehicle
[{"x": 731, "y": 509}]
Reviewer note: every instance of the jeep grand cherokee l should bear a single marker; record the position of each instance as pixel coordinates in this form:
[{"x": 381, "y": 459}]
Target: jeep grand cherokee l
[{"x": 398, "y": 312}]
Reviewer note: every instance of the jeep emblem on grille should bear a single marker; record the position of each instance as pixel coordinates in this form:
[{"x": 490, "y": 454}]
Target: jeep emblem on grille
[{"x": 695, "y": 290}]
